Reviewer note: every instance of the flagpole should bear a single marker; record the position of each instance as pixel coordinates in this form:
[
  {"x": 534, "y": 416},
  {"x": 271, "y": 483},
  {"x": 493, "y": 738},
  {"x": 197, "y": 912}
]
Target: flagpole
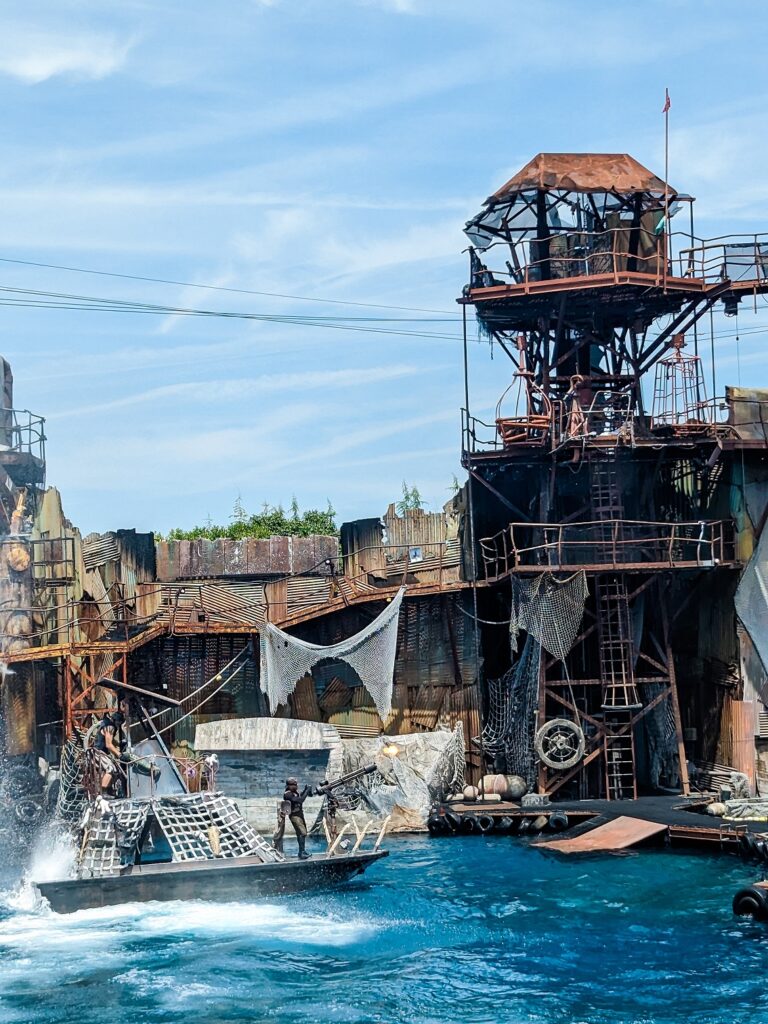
[{"x": 667, "y": 233}]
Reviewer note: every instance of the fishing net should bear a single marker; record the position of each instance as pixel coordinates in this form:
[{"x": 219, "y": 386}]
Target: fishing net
[
  {"x": 660, "y": 732},
  {"x": 513, "y": 705},
  {"x": 371, "y": 653},
  {"x": 548, "y": 609},
  {"x": 72, "y": 799}
]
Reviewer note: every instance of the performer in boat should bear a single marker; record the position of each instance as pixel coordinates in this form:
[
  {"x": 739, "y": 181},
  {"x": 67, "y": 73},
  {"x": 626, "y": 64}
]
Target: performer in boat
[
  {"x": 107, "y": 747},
  {"x": 292, "y": 806}
]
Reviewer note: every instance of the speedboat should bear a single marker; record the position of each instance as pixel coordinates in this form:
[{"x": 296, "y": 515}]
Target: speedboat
[{"x": 159, "y": 841}]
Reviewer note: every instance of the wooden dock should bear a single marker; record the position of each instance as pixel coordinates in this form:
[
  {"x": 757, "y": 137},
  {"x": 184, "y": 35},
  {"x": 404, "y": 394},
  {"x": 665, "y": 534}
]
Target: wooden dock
[{"x": 594, "y": 826}]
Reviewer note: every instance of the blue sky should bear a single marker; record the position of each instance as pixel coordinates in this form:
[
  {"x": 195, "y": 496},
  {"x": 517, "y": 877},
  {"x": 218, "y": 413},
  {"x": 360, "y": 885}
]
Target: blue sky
[{"x": 330, "y": 149}]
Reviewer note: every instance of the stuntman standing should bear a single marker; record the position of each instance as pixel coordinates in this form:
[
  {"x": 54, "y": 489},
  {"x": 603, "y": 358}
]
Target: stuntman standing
[
  {"x": 292, "y": 807},
  {"x": 108, "y": 747}
]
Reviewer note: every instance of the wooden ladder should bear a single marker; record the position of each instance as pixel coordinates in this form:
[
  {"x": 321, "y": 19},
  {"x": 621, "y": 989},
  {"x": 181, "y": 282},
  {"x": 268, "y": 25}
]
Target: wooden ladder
[{"x": 620, "y": 777}]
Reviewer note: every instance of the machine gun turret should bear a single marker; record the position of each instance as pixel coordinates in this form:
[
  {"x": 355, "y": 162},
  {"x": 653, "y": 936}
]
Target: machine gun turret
[{"x": 327, "y": 787}]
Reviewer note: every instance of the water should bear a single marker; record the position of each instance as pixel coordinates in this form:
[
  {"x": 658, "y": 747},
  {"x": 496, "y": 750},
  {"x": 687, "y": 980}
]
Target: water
[{"x": 473, "y": 930}]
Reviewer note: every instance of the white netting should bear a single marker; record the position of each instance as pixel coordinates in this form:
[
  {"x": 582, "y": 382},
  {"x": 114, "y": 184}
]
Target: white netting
[
  {"x": 548, "y": 609},
  {"x": 371, "y": 653}
]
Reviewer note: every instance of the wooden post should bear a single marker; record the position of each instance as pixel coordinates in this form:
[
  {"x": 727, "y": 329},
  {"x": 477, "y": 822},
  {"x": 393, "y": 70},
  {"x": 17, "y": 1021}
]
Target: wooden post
[{"x": 675, "y": 703}]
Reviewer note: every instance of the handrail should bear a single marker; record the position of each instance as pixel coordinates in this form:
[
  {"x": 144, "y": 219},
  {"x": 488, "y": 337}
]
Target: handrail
[
  {"x": 705, "y": 260},
  {"x": 607, "y": 543}
]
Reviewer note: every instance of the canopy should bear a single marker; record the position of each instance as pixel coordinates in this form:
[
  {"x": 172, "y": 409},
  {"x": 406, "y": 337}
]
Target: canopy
[{"x": 584, "y": 172}]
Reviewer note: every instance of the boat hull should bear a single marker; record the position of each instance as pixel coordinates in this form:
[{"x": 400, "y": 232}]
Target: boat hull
[{"x": 220, "y": 880}]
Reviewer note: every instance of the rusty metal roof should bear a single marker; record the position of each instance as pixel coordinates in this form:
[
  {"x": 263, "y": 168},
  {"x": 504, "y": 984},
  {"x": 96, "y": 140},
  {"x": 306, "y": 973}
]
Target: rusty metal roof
[{"x": 584, "y": 172}]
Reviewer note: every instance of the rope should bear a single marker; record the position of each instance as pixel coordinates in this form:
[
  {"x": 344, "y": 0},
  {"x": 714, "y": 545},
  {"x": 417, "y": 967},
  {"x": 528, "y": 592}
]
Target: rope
[{"x": 202, "y": 702}]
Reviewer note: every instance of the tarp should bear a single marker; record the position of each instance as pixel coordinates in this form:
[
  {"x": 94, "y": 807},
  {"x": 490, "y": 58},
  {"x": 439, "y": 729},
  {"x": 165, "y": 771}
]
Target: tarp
[
  {"x": 748, "y": 412},
  {"x": 752, "y": 598},
  {"x": 584, "y": 172}
]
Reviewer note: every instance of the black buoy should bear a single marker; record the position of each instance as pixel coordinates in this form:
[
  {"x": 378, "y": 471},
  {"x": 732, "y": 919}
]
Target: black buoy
[
  {"x": 558, "y": 821},
  {"x": 485, "y": 823},
  {"x": 453, "y": 821},
  {"x": 468, "y": 823},
  {"x": 436, "y": 825},
  {"x": 751, "y": 902},
  {"x": 504, "y": 824},
  {"x": 525, "y": 825}
]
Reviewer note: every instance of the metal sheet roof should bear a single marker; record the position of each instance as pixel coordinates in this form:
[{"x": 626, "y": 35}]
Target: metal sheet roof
[{"x": 584, "y": 172}]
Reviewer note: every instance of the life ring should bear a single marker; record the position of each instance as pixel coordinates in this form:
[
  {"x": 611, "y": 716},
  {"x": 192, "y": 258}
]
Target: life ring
[
  {"x": 27, "y": 811},
  {"x": 751, "y": 902},
  {"x": 485, "y": 823}
]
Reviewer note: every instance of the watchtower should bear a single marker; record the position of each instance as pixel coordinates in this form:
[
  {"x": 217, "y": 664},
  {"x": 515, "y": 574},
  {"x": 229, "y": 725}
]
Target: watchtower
[{"x": 605, "y": 455}]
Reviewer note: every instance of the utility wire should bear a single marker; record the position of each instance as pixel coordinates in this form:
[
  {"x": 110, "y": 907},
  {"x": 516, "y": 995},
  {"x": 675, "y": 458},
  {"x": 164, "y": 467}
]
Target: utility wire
[{"x": 219, "y": 288}]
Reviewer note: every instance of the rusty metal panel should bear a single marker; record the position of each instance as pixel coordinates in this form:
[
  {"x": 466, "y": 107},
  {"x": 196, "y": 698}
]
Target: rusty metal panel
[
  {"x": 256, "y": 561},
  {"x": 99, "y": 548},
  {"x": 584, "y": 172},
  {"x": 279, "y": 554},
  {"x": 619, "y": 834},
  {"x": 744, "y": 727}
]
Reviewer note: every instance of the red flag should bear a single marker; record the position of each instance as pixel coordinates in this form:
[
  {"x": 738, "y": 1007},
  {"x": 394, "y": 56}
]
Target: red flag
[{"x": 667, "y": 101}]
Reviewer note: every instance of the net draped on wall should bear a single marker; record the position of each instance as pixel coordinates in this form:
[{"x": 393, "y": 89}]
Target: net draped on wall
[
  {"x": 549, "y": 609},
  {"x": 371, "y": 653}
]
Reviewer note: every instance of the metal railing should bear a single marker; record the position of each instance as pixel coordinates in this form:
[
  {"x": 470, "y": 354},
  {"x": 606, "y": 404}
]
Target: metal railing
[
  {"x": 609, "y": 415},
  {"x": 608, "y": 544},
  {"x": 574, "y": 254},
  {"x": 22, "y": 432},
  {"x": 727, "y": 258}
]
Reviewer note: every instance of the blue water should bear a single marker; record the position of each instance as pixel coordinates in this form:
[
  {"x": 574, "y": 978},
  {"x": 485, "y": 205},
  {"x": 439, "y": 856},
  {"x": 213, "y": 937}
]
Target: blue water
[{"x": 472, "y": 930}]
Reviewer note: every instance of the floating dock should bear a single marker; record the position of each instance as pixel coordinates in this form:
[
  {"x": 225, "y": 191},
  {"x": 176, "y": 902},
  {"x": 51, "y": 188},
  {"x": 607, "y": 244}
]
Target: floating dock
[{"x": 595, "y": 826}]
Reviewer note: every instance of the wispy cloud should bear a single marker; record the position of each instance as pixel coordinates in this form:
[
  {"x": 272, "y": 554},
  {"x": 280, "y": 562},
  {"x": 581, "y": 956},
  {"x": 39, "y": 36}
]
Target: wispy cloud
[
  {"x": 33, "y": 55},
  {"x": 240, "y": 389}
]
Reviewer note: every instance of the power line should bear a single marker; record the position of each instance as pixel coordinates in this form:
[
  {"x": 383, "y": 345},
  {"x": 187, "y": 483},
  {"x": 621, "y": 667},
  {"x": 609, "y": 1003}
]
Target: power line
[
  {"x": 221, "y": 288},
  {"x": 40, "y": 299}
]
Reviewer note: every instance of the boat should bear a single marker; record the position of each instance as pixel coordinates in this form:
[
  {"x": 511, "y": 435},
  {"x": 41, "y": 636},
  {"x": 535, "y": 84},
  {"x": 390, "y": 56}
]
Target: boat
[
  {"x": 222, "y": 880},
  {"x": 156, "y": 840}
]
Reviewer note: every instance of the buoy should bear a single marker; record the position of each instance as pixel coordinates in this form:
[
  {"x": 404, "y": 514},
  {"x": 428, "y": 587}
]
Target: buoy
[
  {"x": 538, "y": 823},
  {"x": 517, "y": 787},
  {"x": 468, "y": 823},
  {"x": 558, "y": 821},
  {"x": 485, "y": 823},
  {"x": 716, "y": 809},
  {"x": 452, "y": 820},
  {"x": 751, "y": 902},
  {"x": 747, "y": 843},
  {"x": 525, "y": 825},
  {"x": 471, "y": 793},
  {"x": 504, "y": 824},
  {"x": 436, "y": 825}
]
